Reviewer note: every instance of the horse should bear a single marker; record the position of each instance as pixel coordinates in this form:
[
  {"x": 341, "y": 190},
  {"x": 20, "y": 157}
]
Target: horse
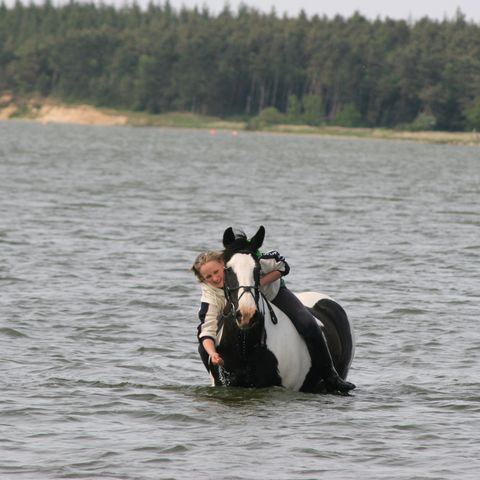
[{"x": 259, "y": 344}]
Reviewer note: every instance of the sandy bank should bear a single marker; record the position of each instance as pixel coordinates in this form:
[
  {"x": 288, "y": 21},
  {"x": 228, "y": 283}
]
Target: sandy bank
[
  {"x": 51, "y": 111},
  {"x": 453, "y": 138},
  {"x": 7, "y": 112},
  {"x": 81, "y": 115},
  {"x": 55, "y": 113}
]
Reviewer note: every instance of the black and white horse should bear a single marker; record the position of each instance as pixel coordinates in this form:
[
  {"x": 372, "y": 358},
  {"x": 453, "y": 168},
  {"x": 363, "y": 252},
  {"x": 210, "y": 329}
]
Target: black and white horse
[{"x": 258, "y": 342}]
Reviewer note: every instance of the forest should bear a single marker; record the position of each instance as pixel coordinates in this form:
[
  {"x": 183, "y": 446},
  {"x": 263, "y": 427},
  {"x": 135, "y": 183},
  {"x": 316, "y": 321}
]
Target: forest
[{"x": 354, "y": 72}]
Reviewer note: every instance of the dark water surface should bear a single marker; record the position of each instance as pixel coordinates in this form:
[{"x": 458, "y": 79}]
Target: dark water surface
[{"x": 99, "y": 375}]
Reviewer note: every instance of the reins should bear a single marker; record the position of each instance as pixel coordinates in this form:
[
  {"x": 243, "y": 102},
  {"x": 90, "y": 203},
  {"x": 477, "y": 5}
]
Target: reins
[{"x": 273, "y": 317}]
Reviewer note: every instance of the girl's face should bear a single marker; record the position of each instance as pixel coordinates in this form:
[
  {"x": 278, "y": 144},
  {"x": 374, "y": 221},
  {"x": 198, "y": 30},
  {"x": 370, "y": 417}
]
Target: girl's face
[{"x": 212, "y": 273}]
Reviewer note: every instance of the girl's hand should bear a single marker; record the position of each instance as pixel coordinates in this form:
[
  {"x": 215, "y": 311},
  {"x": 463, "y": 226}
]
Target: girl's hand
[{"x": 216, "y": 359}]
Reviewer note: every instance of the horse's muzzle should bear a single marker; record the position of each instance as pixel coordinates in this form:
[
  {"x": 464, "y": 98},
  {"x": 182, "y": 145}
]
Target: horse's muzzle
[{"x": 244, "y": 317}]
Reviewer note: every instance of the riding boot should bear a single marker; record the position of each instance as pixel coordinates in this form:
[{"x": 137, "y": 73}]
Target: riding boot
[{"x": 322, "y": 362}]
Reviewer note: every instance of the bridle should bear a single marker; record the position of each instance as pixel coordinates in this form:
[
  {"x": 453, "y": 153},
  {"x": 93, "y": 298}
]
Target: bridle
[
  {"x": 230, "y": 287},
  {"x": 253, "y": 290}
]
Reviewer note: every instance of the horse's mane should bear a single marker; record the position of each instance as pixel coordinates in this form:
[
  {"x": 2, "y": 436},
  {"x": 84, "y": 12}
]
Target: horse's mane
[
  {"x": 239, "y": 244},
  {"x": 237, "y": 241}
]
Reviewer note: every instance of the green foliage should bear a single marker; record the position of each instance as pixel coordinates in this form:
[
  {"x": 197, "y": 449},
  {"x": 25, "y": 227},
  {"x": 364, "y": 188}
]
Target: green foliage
[
  {"x": 294, "y": 110},
  {"x": 350, "y": 71},
  {"x": 423, "y": 123},
  {"x": 267, "y": 117},
  {"x": 312, "y": 110},
  {"x": 349, "y": 116},
  {"x": 472, "y": 114}
]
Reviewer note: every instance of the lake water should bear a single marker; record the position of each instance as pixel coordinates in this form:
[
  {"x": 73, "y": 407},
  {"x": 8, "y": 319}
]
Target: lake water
[{"x": 99, "y": 373}]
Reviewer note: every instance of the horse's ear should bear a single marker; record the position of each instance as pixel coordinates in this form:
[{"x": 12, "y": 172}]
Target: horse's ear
[
  {"x": 257, "y": 240},
  {"x": 228, "y": 237}
]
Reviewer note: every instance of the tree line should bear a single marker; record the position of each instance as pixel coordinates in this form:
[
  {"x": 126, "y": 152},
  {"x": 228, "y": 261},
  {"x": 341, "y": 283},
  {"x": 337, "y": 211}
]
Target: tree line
[{"x": 315, "y": 70}]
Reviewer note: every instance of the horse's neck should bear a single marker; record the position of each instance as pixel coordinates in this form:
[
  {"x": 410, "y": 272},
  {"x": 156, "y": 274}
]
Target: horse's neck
[{"x": 230, "y": 334}]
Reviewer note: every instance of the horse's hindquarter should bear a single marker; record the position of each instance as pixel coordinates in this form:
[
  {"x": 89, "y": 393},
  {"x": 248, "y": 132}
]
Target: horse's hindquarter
[
  {"x": 291, "y": 352},
  {"x": 337, "y": 326},
  {"x": 309, "y": 299}
]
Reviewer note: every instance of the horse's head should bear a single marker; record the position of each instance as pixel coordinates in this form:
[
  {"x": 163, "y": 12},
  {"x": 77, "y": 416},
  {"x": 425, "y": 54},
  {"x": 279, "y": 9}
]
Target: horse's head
[{"x": 242, "y": 274}]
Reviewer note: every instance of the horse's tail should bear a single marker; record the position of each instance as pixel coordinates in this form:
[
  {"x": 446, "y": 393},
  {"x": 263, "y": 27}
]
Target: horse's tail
[{"x": 338, "y": 332}]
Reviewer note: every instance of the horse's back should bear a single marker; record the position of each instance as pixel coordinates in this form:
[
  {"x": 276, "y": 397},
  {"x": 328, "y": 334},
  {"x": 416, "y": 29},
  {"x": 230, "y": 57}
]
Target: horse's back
[{"x": 337, "y": 327}]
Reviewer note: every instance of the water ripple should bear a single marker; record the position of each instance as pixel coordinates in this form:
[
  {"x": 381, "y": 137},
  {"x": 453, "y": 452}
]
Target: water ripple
[{"x": 100, "y": 374}]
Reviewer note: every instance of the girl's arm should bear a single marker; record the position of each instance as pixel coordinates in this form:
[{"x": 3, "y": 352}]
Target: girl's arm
[
  {"x": 270, "y": 277},
  {"x": 209, "y": 346}
]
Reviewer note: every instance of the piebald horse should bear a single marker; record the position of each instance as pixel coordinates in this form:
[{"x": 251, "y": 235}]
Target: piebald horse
[{"x": 258, "y": 343}]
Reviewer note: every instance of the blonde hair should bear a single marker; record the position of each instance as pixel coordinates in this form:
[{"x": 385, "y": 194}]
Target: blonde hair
[{"x": 203, "y": 258}]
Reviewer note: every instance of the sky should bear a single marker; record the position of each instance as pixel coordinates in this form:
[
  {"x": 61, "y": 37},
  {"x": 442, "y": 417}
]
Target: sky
[
  {"x": 398, "y": 9},
  {"x": 394, "y": 9}
]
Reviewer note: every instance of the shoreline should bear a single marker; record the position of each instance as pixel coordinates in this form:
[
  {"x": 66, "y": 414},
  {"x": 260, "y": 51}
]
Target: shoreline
[{"x": 47, "y": 111}]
